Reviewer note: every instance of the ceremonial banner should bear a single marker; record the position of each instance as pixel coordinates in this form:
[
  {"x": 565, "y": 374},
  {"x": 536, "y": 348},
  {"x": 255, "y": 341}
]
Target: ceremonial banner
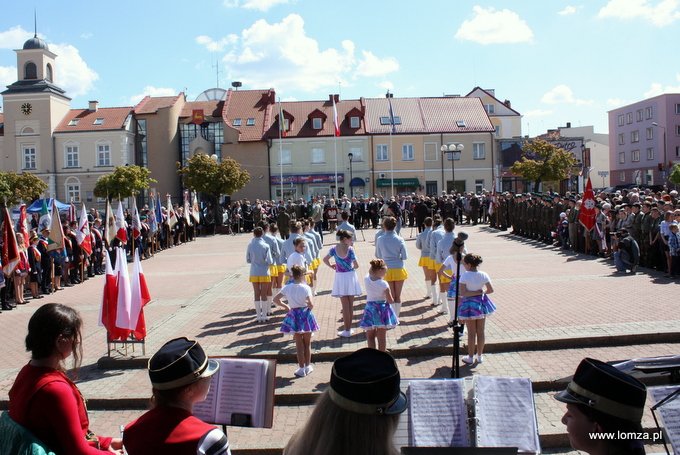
[
  {"x": 23, "y": 224},
  {"x": 121, "y": 225},
  {"x": 45, "y": 218},
  {"x": 587, "y": 213},
  {"x": 136, "y": 222},
  {"x": 83, "y": 235},
  {"x": 10, "y": 249}
]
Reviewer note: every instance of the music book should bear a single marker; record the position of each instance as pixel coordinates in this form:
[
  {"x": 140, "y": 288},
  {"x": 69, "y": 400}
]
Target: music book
[
  {"x": 669, "y": 412},
  {"x": 482, "y": 411},
  {"x": 241, "y": 394}
]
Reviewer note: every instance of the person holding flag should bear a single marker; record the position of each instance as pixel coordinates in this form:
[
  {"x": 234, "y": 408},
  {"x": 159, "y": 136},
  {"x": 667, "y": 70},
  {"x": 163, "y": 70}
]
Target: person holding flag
[{"x": 10, "y": 253}]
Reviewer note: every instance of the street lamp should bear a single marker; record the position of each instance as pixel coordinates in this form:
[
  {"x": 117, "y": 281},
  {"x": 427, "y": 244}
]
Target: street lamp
[
  {"x": 452, "y": 149},
  {"x": 350, "y": 155},
  {"x": 665, "y": 161}
]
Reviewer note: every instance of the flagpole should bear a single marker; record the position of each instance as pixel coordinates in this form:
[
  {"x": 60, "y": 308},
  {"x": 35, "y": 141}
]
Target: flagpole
[
  {"x": 282, "y": 124},
  {"x": 335, "y": 152},
  {"x": 392, "y": 129}
]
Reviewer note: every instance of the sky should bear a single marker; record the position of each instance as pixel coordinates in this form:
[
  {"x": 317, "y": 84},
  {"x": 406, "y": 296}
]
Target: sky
[{"x": 556, "y": 61}]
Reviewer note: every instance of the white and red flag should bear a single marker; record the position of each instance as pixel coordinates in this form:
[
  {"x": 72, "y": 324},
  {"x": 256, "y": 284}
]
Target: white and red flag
[
  {"x": 83, "y": 236},
  {"x": 196, "y": 211},
  {"x": 23, "y": 224},
  {"x": 136, "y": 222},
  {"x": 121, "y": 225},
  {"x": 172, "y": 216},
  {"x": 587, "y": 214},
  {"x": 10, "y": 248},
  {"x": 335, "y": 118},
  {"x": 109, "y": 308},
  {"x": 124, "y": 298},
  {"x": 139, "y": 298},
  {"x": 71, "y": 213}
]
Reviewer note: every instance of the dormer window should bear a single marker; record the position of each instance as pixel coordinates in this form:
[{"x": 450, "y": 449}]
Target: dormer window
[
  {"x": 250, "y": 122},
  {"x": 354, "y": 122},
  {"x": 73, "y": 122},
  {"x": 460, "y": 124},
  {"x": 386, "y": 120},
  {"x": 317, "y": 123},
  {"x": 236, "y": 122},
  {"x": 98, "y": 121}
]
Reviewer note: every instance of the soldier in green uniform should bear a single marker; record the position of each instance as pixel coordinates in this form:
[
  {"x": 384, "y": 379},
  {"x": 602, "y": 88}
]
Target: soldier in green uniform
[{"x": 645, "y": 227}]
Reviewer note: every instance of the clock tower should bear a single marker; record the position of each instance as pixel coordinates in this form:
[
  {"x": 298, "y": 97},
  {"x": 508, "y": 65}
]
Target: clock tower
[{"x": 33, "y": 107}]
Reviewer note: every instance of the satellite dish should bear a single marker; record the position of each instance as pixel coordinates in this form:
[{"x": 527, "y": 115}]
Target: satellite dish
[{"x": 213, "y": 94}]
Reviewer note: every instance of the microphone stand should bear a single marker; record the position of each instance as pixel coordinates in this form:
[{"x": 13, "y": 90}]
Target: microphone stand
[{"x": 455, "y": 324}]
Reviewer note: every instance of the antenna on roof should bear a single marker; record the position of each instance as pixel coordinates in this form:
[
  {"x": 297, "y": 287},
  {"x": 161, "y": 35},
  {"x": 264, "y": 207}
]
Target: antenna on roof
[
  {"x": 236, "y": 84},
  {"x": 35, "y": 20}
]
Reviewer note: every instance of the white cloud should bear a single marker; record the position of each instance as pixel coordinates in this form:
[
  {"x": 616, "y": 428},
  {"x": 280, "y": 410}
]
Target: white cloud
[
  {"x": 489, "y": 27},
  {"x": 86, "y": 35},
  {"x": 537, "y": 113},
  {"x": 563, "y": 94},
  {"x": 567, "y": 10},
  {"x": 262, "y": 5},
  {"x": 72, "y": 73},
  {"x": 617, "y": 102},
  {"x": 216, "y": 45},
  {"x": 657, "y": 89},
  {"x": 8, "y": 75},
  {"x": 281, "y": 55},
  {"x": 14, "y": 38},
  {"x": 373, "y": 66},
  {"x": 387, "y": 85},
  {"x": 151, "y": 91},
  {"x": 663, "y": 13}
]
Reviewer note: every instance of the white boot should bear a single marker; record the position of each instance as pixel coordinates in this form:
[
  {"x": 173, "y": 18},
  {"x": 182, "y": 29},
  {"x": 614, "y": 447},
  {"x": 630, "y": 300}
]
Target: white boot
[
  {"x": 268, "y": 305},
  {"x": 434, "y": 295},
  {"x": 396, "y": 306},
  {"x": 264, "y": 305},
  {"x": 452, "y": 309},
  {"x": 442, "y": 297},
  {"x": 428, "y": 289},
  {"x": 258, "y": 311},
  {"x": 445, "y": 307}
]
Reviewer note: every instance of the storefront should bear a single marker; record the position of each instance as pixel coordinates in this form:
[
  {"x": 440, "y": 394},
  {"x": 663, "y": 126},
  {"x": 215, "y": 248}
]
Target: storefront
[
  {"x": 401, "y": 186},
  {"x": 305, "y": 186}
]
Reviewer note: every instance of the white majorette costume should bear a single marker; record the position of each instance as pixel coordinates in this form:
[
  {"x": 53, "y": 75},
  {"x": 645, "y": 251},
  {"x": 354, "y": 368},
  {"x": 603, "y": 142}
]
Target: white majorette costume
[
  {"x": 259, "y": 257},
  {"x": 300, "y": 318},
  {"x": 477, "y": 307},
  {"x": 378, "y": 314},
  {"x": 346, "y": 281}
]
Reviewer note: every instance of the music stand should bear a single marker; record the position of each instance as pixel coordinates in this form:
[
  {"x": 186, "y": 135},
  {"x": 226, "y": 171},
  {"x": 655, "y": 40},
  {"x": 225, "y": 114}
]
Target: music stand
[{"x": 455, "y": 324}]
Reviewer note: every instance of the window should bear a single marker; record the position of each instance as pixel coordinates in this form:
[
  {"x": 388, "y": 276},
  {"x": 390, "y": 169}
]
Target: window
[
  {"x": 677, "y": 108},
  {"x": 98, "y": 121},
  {"x": 478, "y": 150},
  {"x": 236, "y": 122},
  {"x": 650, "y": 133},
  {"x": 629, "y": 117},
  {"x": 677, "y": 130},
  {"x": 250, "y": 122},
  {"x": 29, "y": 158},
  {"x": 622, "y": 176},
  {"x": 460, "y": 124},
  {"x": 621, "y": 122},
  {"x": 634, "y": 136},
  {"x": 317, "y": 155},
  {"x": 103, "y": 155},
  {"x": 622, "y": 157},
  {"x": 73, "y": 191},
  {"x": 357, "y": 154},
  {"x": 354, "y": 122},
  {"x": 386, "y": 120},
  {"x": 407, "y": 152},
  {"x": 30, "y": 71},
  {"x": 650, "y": 153},
  {"x": 490, "y": 108},
  {"x": 71, "y": 156},
  {"x": 455, "y": 155},
  {"x": 497, "y": 133},
  {"x": 649, "y": 174},
  {"x": 638, "y": 115},
  {"x": 48, "y": 73},
  {"x": 381, "y": 153},
  {"x": 650, "y": 112},
  {"x": 431, "y": 151},
  {"x": 73, "y": 122},
  {"x": 479, "y": 186},
  {"x": 622, "y": 139},
  {"x": 677, "y": 150},
  {"x": 635, "y": 155},
  {"x": 317, "y": 123},
  {"x": 284, "y": 158}
]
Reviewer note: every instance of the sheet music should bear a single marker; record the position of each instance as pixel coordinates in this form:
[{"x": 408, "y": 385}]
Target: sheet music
[
  {"x": 438, "y": 414},
  {"x": 506, "y": 415},
  {"x": 242, "y": 390},
  {"x": 205, "y": 410},
  {"x": 670, "y": 414}
]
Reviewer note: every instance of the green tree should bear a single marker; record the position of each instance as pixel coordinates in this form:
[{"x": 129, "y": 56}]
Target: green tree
[
  {"x": 552, "y": 163},
  {"x": 20, "y": 187},
  {"x": 203, "y": 174},
  {"x": 675, "y": 174},
  {"x": 124, "y": 181}
]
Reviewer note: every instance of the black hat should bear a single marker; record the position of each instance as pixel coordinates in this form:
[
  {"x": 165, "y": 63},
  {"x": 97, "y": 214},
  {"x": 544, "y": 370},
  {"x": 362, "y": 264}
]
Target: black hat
[
  {"x": 367, "y": 382},
  {"x": 178, "y": 363},
  {"x": 606, "y": 389}
]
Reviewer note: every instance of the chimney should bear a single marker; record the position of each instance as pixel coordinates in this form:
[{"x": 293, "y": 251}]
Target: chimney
[
  {"x": 507, "y": 103},
  {"x": 94, "y": 106},
  {"x": 332, "y": 97},
  {"x": 491, "y": 91},
  {"x": 568, "y": 124},
  {"x": 265, "y": 98}
]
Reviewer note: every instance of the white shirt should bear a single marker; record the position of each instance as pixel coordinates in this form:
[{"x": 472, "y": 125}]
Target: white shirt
[
  {"x": 375, "y": 290},
  {"x": 474, "y": 281},
  {"x": 297, "y": 294}
]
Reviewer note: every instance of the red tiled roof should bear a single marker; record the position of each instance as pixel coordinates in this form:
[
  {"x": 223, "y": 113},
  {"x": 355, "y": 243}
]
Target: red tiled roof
[
  {"x": 114, "y": 119},
  {"x": 428, "y": 115},
  {"x": 150, "y": 105},
  {"x": 245, "y": 104},
  {"x": 302, "y": 126},
  {"x": 210, "y": 108}
]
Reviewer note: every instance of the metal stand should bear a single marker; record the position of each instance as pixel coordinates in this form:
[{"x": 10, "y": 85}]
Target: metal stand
[
  {"x": 111, "y": 345},
  {"x": 455, "y": 325}
]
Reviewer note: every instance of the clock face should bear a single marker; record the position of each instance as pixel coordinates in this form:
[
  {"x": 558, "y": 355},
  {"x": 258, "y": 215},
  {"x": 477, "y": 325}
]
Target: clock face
[{"x": 26, "y": 108}]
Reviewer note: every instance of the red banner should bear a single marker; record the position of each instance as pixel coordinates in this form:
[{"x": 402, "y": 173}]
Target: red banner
[
  {"x": 197, "y": 116},
  {"x": 587, "y": 213}
]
